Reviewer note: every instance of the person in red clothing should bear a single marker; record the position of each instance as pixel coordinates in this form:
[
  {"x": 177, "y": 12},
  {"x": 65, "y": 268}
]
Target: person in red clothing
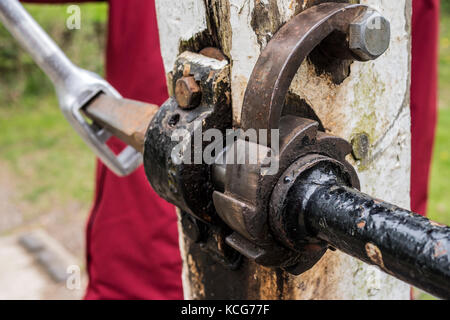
[
  {"x": 132, "y": 241},
  {"x": 425, "y": 37}
]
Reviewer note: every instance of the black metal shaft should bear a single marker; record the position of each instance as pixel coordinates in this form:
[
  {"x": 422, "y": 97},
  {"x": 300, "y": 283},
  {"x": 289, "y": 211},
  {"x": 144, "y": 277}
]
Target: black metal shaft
[{"x": 402, "y": 243}]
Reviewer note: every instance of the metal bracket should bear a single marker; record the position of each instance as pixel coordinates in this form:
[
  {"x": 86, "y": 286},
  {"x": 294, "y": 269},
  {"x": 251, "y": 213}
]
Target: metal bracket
[{"x": 259, "y": 229}]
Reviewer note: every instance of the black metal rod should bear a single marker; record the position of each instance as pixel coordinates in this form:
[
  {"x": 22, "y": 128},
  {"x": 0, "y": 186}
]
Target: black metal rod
[{"x": 402, "y": 243}]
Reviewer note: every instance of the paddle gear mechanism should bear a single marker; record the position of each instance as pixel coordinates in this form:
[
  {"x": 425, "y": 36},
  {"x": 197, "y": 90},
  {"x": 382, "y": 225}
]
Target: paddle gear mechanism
[{"x": 236, "y": 210}]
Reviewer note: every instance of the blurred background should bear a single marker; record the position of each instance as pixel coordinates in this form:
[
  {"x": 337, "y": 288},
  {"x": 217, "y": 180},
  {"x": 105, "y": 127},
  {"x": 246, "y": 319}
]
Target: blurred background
[{"x": 47, "y": 172}]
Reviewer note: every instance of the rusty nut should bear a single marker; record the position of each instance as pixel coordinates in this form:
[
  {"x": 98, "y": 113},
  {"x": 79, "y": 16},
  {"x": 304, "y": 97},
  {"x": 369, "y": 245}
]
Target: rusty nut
[{"x": 187, "y": 92}]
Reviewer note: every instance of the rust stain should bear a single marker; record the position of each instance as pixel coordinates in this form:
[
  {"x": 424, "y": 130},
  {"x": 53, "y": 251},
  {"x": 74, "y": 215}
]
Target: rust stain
[
  {"x": 265, "y": 286},
  {"x": 377, "y": 201},
  {"x": 319, "y": 283},
  {"x": 265, "y": 21},
  {"x": 439, "y": 249},
  {"x": 213, "y": 53},
  {"x": 187, "y": 70},
  {"x": 374, "y": 253},
  {"x": 211, "y": 75},
  {"x": 169, "y": 80},
  {"x": 361, "y": 224},
  {"x": 291, "y": 5},
  {"x": 196, "y": 279},
  {"x": 322, "y": 282},
  {"x": 436, "y": 224}
]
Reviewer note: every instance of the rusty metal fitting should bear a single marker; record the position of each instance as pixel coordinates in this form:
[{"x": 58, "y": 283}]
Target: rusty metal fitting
[
  {"x": 214, "y": 53},
  {"x": 369, "y": 35},
  {"x": 188, "y": 92}
]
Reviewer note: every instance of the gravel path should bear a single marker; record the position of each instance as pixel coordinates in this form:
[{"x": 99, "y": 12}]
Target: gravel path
[{"x": 21, "y": 274}]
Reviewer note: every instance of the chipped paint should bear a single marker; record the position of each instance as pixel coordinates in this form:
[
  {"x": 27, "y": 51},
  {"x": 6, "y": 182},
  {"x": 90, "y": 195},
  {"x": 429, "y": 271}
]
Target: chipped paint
[
  {"x": 439, "y": 249},
  {"x": 361, "y": 224},
  {"x": 374, "y": 254},
  {"x": 188, "y": 290},
  {"x": 176, "y": 23}
]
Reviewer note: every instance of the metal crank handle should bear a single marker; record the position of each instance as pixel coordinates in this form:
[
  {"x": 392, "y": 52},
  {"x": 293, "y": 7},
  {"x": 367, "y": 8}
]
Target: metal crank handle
[
  {"x": 401, "y": 243},
  {"x": 76, "y": 88}
]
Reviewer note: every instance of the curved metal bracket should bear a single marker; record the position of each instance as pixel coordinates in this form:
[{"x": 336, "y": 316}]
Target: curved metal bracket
[{"x": 278, "y": 63}]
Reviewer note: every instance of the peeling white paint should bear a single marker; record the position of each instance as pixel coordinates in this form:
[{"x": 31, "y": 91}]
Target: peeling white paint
[
  {"x": 178, "y": 20},
  {"x": 286, "y": 9},
  {"x": 244, "y": 51}
]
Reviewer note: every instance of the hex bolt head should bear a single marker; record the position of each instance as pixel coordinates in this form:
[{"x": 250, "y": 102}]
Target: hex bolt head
[
  {"x": 187, "y": 92},
  {"x": 369, "y": 35}
]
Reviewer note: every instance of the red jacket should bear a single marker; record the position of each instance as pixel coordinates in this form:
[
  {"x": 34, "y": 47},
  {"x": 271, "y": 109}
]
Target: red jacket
[
  {"x": 132, "y": 242},
  {"x": 425, "y": 36}
]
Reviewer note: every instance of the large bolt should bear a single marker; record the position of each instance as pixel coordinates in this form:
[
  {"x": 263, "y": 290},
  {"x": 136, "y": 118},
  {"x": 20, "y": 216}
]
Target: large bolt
[
  {"x": 369, "y": 35},
  {"x": 188, "y": 92}
]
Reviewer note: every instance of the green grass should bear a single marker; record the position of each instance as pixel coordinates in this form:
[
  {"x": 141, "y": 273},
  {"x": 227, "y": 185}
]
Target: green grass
[
  {"x": 50, "y": 159},
  {"x": 52, "y": 164},
  {"x": 439, "y": 196},
  {"x": 439, "y": 201}
]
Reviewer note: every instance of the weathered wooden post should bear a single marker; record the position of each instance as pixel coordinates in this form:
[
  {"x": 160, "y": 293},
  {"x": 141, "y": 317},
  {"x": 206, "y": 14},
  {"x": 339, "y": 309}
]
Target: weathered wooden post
[{"x": 366, "y": 103}]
